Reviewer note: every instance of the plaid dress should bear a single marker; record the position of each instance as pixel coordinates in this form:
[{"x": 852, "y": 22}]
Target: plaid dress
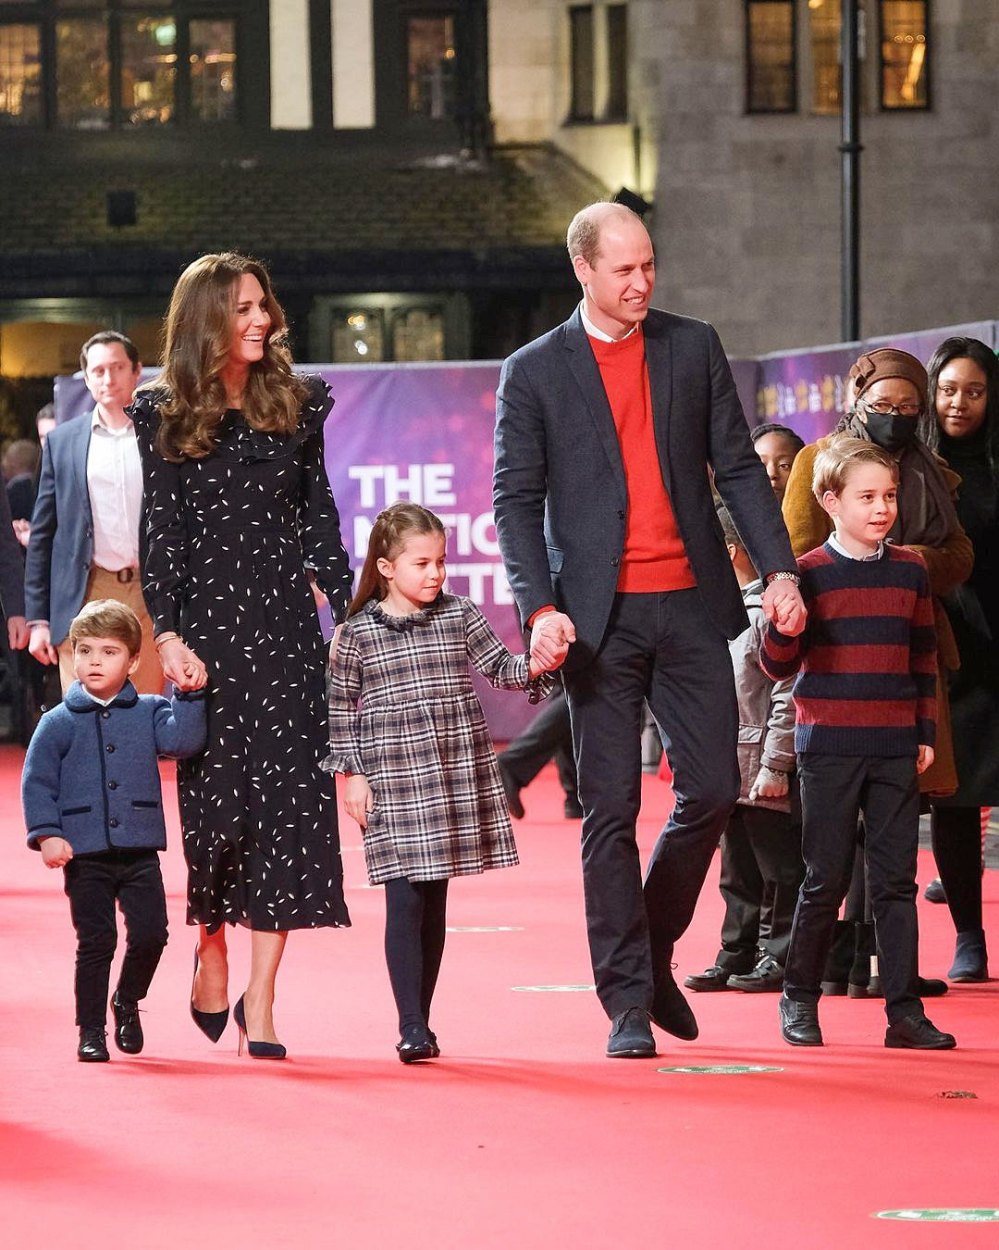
[{"x": 403, "y": 712}]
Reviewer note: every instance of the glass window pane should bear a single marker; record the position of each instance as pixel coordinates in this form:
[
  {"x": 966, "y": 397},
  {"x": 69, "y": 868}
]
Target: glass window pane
[
  {"x": 418, "y": 335},
  {"x": 824, "y": 18},
  {"x": 213, "y": 71},
  {"x": 358, "y": 336},
  {"x": 20, "y": 76},
  {"x": 617, "y": 61},
  {"x": 581, "y": 62},
  {"x": 82, "y": 74},
  {"x": 770, "y": 63},
  {"x": 148, "y": 68},
  {"x": 431, "y": 56},
  {"x": 903, "y": 54}
]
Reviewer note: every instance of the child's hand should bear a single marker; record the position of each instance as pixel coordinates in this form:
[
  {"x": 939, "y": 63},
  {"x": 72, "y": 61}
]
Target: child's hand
[
  {"x": 924, "y": 759},
  {"x": 333, "y": 642},
  {"x": 56, "y": 852},
  {"x": 536, "y": 665},
  {"x": 358, "y": 799},
  {"x": 196, "y": 675}
]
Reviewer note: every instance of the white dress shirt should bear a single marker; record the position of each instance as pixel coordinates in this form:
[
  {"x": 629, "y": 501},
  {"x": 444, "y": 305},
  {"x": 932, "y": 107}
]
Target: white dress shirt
[{"x": 114, "y": 481}]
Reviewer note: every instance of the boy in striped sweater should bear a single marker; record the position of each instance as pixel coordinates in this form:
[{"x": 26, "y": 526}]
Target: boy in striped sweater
[{"x": 865, "y": 727}]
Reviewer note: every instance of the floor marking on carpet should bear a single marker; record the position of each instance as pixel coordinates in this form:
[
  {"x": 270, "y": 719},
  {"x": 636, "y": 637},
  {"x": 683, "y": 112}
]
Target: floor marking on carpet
[
  {"x": 943, "y": 1215},
  {"x": 554, "y": 989},
  {"x": 485, "y": 928},
  {"x": 723, "y": 1069}
]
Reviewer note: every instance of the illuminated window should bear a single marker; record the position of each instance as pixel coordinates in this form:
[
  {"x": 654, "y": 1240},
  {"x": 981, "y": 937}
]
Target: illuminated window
[
  {"x": 213, "y": 71},
  {"x": 418, "y": 334},
  {"x": 431, "y": 64},
  {"x": 904, "y": 67},
  {"x": 148, "y": 69},
  {"x": 83, "y": 81},
  {"x": 20, "y": 75},
  {"x": 358, "y": 336},
  {"x": 824, "y": 25},
  {"x": 770, "y": 57}
]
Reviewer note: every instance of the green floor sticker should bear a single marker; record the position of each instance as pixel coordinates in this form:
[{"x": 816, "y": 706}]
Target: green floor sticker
[
  {"x": 724, "y": 1069},
  {"x": 554, "y": 989},
  {"x": 943, "y": 1215}
]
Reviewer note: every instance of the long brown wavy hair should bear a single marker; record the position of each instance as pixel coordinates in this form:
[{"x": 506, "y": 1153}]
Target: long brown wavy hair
[
  {"x": 393, "y": 525},
  {"x": 197, "y": 336}
]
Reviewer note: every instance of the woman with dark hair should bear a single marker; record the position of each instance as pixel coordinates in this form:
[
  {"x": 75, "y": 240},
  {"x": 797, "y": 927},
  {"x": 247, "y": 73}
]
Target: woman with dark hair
[
  {"x": 963, "y": 427},
  {"x": 240, "y": 524},
  {"x": 888, "y": 396}
]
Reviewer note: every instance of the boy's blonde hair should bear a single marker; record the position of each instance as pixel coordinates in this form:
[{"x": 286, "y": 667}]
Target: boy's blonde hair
[
  {"x": 843, "y": 453},
  {"x": 107, "y": 618}
]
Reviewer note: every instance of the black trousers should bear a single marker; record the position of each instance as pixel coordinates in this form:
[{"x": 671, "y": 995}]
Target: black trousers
[
  {"x": 835, "y": 789},
  {"x": 663, "y": 648},
  {"x": 93, "y": 884},
  {"x": 761, "y": 872},
  {"x": 548, "y": 735},
  {"x": 415, "y": 929},
  {"x": 956, "y": 833}
]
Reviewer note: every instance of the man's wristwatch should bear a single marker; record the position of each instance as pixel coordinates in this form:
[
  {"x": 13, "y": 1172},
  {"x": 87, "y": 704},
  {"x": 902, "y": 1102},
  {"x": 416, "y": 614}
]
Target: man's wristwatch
[{"x": 785, "y": 575}]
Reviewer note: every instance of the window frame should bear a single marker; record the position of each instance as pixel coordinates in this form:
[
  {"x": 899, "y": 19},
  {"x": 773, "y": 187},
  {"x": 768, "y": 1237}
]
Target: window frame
[{"x": 749, "y": 108}]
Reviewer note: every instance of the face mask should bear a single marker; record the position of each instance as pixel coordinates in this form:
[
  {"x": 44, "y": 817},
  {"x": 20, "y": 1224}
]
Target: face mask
[{"x": 890, "y": 431}]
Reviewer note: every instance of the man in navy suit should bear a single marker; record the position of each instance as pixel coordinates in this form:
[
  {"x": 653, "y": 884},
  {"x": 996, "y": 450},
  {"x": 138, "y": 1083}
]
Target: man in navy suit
[
  {"x": 85, "y": 528},
  {"x": 606, "y": 430}
]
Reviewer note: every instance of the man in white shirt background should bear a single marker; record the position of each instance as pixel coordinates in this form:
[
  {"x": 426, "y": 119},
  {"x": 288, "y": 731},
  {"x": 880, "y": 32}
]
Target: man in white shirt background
[{"x": 85, "y": 527}]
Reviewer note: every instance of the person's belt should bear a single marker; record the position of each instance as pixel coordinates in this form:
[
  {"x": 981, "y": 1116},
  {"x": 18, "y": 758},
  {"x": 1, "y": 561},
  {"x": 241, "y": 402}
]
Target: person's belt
[{"x": 123, "y": 575}]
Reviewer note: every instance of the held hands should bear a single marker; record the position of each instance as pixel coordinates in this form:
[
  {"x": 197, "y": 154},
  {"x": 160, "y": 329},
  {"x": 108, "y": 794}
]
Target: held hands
[
  {"x": 56, "y": 852},
  {"x": 924, "y": 759},
  {"x": 40, "y": 645},
  {"x": 358, "y": 799},
  {"x": 551, "y": 635},
  {"x": 783, "y": 604},
  {"x": 181, "y": 665},
  {"x": 769, "y": 784}
]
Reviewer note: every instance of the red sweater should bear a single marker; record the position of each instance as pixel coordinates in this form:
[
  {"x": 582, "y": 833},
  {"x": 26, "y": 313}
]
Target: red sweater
[{"x": 654, "y": 558}]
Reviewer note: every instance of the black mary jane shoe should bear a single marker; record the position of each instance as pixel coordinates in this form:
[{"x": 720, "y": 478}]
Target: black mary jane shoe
[{"x": 417, "y": 1043}]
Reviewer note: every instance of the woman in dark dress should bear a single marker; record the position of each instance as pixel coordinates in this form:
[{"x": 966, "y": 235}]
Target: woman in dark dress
[
  {"x": 963, "y": 427},
  {"x": 240, "y": 526}
]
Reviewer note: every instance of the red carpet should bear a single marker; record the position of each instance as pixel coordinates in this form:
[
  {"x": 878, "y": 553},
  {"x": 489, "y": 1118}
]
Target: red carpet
[{"x": 521, "y": 1135}]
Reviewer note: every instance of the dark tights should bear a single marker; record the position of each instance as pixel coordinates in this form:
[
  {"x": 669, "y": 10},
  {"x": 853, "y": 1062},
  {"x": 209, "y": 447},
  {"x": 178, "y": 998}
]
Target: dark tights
[
  {"x": 414, "y": 944},
  {"x": 957, "y": 848}
]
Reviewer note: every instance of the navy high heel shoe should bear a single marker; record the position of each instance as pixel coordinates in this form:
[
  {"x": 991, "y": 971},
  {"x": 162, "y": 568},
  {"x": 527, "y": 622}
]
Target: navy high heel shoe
[
  {"x": 258, "y": 1050},
  {"x": 211, "y": 1023}
]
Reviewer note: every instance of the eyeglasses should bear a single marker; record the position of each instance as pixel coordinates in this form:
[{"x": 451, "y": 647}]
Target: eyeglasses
[{"x": 884, "y": 409}]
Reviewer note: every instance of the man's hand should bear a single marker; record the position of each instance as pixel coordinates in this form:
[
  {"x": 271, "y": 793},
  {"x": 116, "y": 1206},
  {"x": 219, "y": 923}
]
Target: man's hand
[
  {"x": 56, "y": 852},
  {"x": 22, "y": 531},
  {"x": 783, "y": 604},
  {"x": 924, "y": 759},
  {"x": 17, "y": 633},
  {"x": 358, "y": 799},
  {"x": 551, "y": 635},
  {"x": 40, "y": 645}
]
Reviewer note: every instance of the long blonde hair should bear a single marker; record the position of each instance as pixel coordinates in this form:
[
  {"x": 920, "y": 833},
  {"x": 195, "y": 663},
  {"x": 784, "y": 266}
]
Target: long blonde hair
[
  {"x": 197, "y": 337},
  {"x": 393, "y": 525}
]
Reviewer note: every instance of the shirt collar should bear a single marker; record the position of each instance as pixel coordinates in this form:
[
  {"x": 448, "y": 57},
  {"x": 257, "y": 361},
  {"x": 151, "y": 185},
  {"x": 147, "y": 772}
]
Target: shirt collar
[
  {"x": 596, "y": 333},
  {"x": 96, "y": 423},
  {"x": 838, "y": 547}
]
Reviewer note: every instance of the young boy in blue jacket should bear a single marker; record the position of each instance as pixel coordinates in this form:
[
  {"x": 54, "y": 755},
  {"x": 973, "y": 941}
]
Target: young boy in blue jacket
[{"x": 93, "y": 807}]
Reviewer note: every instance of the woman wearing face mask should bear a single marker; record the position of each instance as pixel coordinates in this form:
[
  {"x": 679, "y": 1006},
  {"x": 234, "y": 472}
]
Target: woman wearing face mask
[
  {"x": 963, "y": 427},
  {"x": 888, "y": 391}
]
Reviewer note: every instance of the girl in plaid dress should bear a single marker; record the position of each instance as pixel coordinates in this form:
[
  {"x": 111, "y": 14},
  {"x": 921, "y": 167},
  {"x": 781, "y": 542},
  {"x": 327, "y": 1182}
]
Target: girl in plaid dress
[{"x": 408, "y": 733}]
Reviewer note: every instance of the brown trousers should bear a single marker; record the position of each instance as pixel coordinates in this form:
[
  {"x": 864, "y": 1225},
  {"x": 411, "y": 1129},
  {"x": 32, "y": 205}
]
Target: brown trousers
[{"x": 148, "y": 677}]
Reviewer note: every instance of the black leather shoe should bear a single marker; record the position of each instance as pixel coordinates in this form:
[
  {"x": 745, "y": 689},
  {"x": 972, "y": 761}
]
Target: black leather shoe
[
  {"x": 512, "y": 792},
  {"x": 799, "y": 1023},
  {"x": 766, "y": 978},
  {"x": 417, "y": 1043},
  {"x": 93, "y": 1046},
  {"x": 671, "y": 1011},
  {"x": 917, "y": 1033},
  {"x": 713, "y": 978},
  {"x": 573, "y": 808},
  {"x": 127, "y": 1028},
  {"x": 630, "y": 1036},
  {"x": 935, "y": 892},
  {"x": 926, "y": 987}
]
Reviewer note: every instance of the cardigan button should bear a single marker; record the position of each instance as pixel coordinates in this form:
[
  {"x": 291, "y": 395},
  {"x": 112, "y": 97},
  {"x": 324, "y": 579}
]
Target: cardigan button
[
  {"x": 110, "y": 748},
  {"x": 113, "y": 822},
  {"x": 112, "y": 785}
]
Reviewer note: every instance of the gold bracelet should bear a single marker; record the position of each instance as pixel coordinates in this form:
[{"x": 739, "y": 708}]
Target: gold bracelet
[{"x": 165, "y": 638}]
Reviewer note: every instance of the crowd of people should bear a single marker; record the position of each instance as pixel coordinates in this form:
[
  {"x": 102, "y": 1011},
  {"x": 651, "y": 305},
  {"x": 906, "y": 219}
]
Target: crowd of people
[{"x": 811, "y": 628}]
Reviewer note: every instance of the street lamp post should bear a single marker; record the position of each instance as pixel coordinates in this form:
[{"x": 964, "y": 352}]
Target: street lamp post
[{"x": 850, "y": 149}]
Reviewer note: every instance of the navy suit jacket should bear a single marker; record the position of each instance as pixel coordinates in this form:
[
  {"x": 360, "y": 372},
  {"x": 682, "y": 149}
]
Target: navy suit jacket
[
  {"x": 61, "y": 547},
  {"x": 559, "y": 491},
  {"x": 11, "y": 564}
]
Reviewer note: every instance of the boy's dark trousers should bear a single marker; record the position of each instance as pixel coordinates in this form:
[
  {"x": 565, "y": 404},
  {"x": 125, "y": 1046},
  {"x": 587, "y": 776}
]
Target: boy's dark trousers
[
  {"x": 761, "y": 871},
  {"x": 834, "y": 790},
  {"x": 93, "y": 884}
]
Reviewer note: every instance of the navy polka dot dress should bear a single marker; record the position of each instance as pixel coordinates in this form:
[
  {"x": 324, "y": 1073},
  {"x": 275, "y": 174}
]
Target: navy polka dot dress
[{"x": 229, "y": 538}]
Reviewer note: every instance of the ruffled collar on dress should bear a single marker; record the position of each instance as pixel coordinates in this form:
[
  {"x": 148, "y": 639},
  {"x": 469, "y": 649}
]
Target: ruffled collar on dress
[{"x": 402, "y": 624}]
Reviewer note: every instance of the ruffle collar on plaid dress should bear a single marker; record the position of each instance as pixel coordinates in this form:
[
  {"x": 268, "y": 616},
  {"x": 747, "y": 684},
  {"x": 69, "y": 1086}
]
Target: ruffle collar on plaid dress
[{"x": 402, "y": 623}]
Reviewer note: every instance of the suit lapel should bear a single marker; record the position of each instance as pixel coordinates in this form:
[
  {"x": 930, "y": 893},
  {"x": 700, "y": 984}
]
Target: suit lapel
[
  {"x": 586, "y": 374},
  {"x": 659, "y": 361}
]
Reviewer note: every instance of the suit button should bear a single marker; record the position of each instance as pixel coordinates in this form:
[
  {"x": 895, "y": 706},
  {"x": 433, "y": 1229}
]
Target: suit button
[
  {"x": 113, "y": 822},
  {"x": 112, "y": 785},
  {"x": 620, "y": 515},
  {"x": 615, "y": 562},
  {"x": 109, "y": 748}
]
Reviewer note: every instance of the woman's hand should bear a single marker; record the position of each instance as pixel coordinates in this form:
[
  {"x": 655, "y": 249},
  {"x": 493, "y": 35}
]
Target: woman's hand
[
  {"x": 358, "y": 799},
  {"x": 181, "y": 665}
]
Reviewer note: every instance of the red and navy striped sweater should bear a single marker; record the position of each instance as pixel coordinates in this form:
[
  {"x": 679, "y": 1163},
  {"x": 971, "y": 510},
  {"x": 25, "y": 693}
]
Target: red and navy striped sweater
[{"x": 867, "y": 656}]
